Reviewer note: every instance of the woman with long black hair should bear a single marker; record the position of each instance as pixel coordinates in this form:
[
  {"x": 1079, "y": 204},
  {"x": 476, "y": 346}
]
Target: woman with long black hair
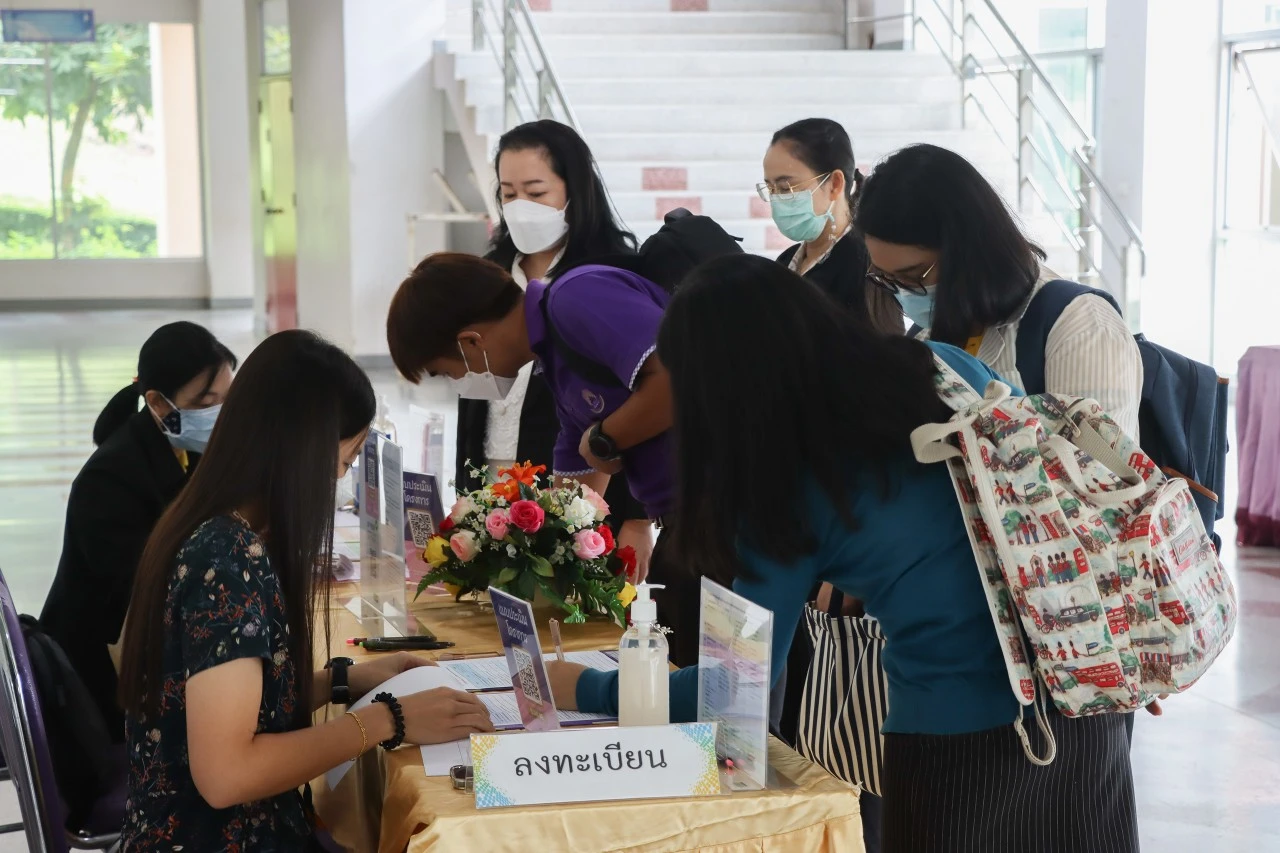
[
  {"x": 218, "y": 681},
  {"x": 556, "y": 214},
  {"x": 149, "y": 437},
  {"x": 761, "y": 368}
]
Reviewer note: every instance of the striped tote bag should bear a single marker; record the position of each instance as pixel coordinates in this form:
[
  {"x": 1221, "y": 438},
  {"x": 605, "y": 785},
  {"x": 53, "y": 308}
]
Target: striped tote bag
[{"x": 846, "y": 695}]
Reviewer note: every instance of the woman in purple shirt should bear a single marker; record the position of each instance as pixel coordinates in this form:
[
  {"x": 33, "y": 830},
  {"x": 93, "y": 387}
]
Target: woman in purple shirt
[{"x": 594, "y": 335}]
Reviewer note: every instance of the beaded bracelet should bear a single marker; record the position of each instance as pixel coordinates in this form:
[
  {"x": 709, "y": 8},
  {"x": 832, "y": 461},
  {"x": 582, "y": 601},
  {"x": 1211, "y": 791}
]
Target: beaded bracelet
[{"x": 397, "y": 714}]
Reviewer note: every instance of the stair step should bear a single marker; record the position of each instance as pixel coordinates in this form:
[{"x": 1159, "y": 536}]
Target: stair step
[
  {"x": 750, "y": 91},
  {"x": 681, "y": 148},
  {"x": 858, "y": 67},
  {"x": 702, "y": 25},
  {"x": 764, "y": 118},
  {"x": 655, "y": 43},
  {"x": 699, "y": 177},
  {"x": 836, "y": 6}
]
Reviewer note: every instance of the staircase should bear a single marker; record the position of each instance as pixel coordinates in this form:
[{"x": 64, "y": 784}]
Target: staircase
[{"x": 679, "y": 99}]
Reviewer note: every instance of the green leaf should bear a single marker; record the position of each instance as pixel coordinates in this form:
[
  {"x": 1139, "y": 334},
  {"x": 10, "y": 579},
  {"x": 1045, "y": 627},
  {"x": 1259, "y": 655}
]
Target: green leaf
[
  {"x": 541, "y": 566},
  {"x": 505, "y": 577}
]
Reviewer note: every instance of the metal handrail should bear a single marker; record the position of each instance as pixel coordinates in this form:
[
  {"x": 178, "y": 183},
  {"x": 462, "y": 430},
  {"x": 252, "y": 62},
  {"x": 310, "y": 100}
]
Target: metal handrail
[
  {"x": 1081, "y": 192},
  {"x": 518, "y": 31},
  {"x": 1033, "y": 67}
]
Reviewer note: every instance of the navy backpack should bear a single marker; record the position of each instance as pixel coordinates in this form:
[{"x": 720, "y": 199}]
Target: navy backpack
[{"x": 1183, "y": 413}]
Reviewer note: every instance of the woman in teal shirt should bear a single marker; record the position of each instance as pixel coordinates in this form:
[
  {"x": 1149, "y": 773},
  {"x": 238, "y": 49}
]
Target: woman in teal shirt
[{"x": 795, "y": 467}]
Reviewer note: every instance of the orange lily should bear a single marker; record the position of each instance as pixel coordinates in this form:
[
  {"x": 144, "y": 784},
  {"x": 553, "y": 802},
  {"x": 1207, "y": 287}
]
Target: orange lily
[{"x": 512, "y": 478}]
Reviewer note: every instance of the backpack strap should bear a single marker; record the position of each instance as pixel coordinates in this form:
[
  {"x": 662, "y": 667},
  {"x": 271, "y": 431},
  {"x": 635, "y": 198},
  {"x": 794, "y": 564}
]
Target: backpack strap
[
  {"x": 1038, "y": 321},
  {"x": 584, "y": 366}
]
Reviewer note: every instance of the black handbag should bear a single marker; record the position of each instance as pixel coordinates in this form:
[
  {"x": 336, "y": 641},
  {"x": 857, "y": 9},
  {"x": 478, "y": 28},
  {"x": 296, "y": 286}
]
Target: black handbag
[{"x": 846, "y": 695}]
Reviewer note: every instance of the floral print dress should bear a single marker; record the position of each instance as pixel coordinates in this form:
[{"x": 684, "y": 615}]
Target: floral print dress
[{"x": 224, "y": 603}]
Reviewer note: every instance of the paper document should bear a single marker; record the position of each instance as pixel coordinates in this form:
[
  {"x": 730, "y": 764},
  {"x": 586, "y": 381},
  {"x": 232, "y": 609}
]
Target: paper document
[
  {"x": 505, "y": 713},
  {"x": 405, "y": 684},
  {"x": 492, "y": 673},
  {"x": 438, "y": 759}
]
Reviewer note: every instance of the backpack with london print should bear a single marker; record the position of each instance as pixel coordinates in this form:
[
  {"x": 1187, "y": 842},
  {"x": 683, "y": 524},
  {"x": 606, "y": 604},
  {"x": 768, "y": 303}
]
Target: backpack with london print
[{"x": 1092, "y": 558}]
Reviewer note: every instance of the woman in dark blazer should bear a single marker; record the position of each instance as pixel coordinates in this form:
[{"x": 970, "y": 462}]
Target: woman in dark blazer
[
  {"x": 555, "y": 214},
  {"x": 811, "y": 185},
  {"x": 143, "y": 460}
]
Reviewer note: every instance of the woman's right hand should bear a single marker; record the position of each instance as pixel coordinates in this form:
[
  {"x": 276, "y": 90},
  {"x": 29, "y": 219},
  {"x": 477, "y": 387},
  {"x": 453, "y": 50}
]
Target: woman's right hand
[{"x": 443, "y": 715}]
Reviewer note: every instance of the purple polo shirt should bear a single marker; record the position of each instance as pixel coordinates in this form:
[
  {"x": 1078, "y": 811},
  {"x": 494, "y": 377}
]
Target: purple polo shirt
[{"x": 610, "y": 316}]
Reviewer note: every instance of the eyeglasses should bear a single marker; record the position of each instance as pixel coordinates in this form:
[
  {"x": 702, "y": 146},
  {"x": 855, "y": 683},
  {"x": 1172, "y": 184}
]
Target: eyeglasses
[
  {"x": 894, "y": 284},
  {"x": 767, "y": 190}
]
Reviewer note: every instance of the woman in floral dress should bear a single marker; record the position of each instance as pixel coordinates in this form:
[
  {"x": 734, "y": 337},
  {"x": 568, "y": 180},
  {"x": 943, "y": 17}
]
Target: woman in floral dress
[{"x": 218, "y": 682}]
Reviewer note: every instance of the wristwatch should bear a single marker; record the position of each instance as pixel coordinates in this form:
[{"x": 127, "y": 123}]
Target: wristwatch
[
  {"x": 602, "y": 446},
  {"x": 340, "y": 687}
]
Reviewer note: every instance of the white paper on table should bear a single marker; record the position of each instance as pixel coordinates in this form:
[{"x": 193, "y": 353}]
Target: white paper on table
[
  {"x": 439, "y": 758},
  {"x": 406, "y": 683},
  {"x": 505, "y": 713},
  {"x": 493, "y": 674}
]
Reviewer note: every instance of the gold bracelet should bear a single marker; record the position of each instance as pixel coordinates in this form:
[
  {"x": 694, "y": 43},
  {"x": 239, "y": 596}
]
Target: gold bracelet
[{"x": 364, "y": 735}]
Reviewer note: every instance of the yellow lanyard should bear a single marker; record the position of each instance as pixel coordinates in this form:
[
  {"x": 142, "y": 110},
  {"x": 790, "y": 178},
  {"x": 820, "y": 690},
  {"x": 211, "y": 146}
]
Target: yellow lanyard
[{"x": 974, "y": 344}]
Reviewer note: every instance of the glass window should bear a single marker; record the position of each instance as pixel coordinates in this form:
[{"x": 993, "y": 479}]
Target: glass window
[
  {"x": 1240, "y": 16},
  {"x": 275, "y": 38},
  {"x": 106, "y": 134}
]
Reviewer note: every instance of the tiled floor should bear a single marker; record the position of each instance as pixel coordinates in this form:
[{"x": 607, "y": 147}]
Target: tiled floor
[{"x": 1207, "y": 773}]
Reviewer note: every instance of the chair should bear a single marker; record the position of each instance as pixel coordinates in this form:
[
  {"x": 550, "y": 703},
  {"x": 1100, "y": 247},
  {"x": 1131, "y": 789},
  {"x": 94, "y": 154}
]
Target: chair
[{"x": 30, "y": 765}]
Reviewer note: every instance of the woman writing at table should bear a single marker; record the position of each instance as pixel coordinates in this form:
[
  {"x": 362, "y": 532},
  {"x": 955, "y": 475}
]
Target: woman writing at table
[
  {"x": 761, "y": 368},
  {"x": 218, "y": 681},
  {"x": 146, "y": 453}
]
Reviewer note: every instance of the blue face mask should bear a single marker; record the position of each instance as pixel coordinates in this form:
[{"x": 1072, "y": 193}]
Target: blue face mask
[
  {"x": 794, "y": 216},
  {"x": 189, "y": 429},
  {"x": 919, "y": 307}
]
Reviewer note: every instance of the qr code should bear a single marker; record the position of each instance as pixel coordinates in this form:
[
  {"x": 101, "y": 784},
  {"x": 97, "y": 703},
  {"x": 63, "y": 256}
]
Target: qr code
[
  {"x": 421, "y": 527},
  {"x": 528, "y": 680}
]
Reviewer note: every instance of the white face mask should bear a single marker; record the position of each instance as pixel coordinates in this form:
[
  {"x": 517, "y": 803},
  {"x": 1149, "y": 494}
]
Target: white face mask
[
  {"x": 534, "y": 227},
  {"x": 481, "y": 386}
]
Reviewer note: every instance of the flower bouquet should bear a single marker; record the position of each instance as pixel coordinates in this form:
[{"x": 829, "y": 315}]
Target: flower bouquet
[{"x": 524, "y": 538}]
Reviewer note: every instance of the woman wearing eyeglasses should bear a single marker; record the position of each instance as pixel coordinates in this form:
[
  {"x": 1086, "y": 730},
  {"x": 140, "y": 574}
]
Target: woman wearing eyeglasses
[{"x": 811, "y": 185}]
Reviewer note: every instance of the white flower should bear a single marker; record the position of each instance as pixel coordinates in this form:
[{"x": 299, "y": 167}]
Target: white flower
[
  {"x": 208, "y": 576},
  {"x": 580, "y": 513},
  {"x": 255, "y": 549},
  {"x": 511, "y": 551},
  {"x": 182, "y": 572},
  {"x": 154, "y": 735},
  {"x": 464, "y": 507}
]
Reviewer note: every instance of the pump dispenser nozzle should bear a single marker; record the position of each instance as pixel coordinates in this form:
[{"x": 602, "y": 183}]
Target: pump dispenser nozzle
[{"x": 644, "y": 608}]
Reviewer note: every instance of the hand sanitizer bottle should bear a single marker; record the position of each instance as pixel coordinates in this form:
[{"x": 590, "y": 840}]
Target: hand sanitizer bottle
[{"x": 642, "y": 666}]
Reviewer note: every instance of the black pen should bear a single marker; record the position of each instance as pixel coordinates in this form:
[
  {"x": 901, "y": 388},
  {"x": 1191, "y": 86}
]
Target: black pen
[
  {"x": 415, "y": 641},
  {"x": 381, "y": 646}
]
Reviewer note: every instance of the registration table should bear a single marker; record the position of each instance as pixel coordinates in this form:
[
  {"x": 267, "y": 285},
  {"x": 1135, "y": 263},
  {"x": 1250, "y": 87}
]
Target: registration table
[
  {"x": 387, "y": 803},
  {"x": 1258, "y": 446}
]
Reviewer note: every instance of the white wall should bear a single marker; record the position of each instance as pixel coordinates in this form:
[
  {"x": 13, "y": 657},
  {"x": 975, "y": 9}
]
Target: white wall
[
  {"x": 368, "y": 131},
  {"x": 230, "y": 173},
  {"x": 395, "y": 137},
  {"x": 321, "y": 163},
  {"x": 1157, "y": 144}
]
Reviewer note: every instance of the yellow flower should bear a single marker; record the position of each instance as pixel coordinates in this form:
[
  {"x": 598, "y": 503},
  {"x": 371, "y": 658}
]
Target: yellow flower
[
  {"x": 435, "y": 553},
  {"x": 452, "y": 588},
  {"x": 627, "y": 595}
]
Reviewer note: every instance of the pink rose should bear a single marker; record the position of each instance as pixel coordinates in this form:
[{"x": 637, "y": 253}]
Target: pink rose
[
  {"x": 463, "y": 545},
  {"x": 588, "y": 544},
  {"x": 593, "y": 497},
  {"x": 497, "y": 523},
  {"x": 527, "y": 515}
]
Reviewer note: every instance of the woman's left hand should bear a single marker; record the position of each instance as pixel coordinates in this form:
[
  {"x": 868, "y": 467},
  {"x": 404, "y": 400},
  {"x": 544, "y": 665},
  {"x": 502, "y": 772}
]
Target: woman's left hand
[
  {"x": 610, "y": 467},
  {"x": 564, "y": 683},
  {"x": 365, "y": 676}
]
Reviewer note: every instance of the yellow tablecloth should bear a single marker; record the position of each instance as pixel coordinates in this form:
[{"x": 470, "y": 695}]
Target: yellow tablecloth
[{"x": 387, "y": 803}]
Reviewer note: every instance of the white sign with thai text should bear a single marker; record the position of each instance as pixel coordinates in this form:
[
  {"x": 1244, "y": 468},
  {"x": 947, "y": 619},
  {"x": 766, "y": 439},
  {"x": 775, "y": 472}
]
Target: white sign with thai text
[{"x": 586, "y": 765}]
